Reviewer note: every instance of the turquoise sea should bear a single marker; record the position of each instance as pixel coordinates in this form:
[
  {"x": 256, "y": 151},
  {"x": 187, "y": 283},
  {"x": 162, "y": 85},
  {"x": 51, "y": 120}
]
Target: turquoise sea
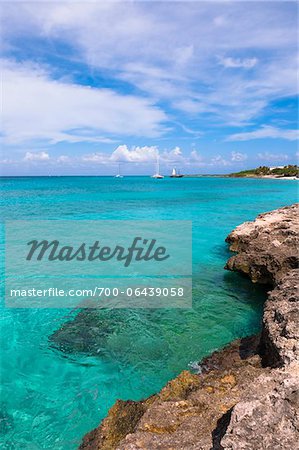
[{"x": 49, "y": 398}]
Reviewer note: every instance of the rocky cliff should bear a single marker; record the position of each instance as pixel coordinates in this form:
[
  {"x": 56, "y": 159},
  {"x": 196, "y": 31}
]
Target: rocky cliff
[
  {"x": 247, "y": 396},
  {"x": 267, "y": 248},
  {"x": 267, "y": 252}
]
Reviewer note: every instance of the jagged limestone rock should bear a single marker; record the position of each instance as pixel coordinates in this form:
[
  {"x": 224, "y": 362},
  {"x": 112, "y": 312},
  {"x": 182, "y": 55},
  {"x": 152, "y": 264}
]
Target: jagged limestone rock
[
  {"x": 267, "y": 248},
  {"x": 267, "y": 417}
]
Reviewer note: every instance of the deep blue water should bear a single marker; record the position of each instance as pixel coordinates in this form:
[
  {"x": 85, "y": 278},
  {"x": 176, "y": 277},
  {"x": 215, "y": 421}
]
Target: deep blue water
[{"x": 49, "y": 399}]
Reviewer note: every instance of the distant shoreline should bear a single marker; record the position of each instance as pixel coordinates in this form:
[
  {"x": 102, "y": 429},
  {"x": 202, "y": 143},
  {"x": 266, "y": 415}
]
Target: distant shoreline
[{"x": 272, "y": 177}]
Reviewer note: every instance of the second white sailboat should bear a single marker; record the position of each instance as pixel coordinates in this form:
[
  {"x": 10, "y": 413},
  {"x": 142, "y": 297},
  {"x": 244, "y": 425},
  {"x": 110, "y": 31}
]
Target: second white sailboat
[{"x": 157, "y": 175}]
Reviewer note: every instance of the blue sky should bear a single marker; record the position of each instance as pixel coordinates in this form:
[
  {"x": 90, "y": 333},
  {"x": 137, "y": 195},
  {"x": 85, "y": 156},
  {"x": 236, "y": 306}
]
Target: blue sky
[{"x": 209, "y": 87}]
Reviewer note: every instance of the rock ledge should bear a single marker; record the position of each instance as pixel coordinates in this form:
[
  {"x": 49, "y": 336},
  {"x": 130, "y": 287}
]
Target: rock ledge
[{"x": 247, "y": 397}]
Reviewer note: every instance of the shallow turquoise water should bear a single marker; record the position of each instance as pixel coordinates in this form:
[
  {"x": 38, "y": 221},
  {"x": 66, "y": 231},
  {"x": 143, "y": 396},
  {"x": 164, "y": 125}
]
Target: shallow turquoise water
[{"x": 50, "y": 399}]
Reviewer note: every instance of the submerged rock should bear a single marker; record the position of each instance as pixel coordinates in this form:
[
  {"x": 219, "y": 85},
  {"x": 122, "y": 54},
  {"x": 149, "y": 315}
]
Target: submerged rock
[
  {"x": 112, "y": 334},
  {"x": 6, "y": 420},
  {"x": 88, "y": 331}
]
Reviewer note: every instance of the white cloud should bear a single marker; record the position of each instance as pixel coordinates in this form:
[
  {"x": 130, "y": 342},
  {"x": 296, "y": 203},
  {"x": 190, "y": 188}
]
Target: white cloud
[
  {"x": 265, "y": 132},
  {"x": 182, "y": 70},
  {"x": 36, "y": 156},
  {"x": 273, "y": 157},
  {"x": 174, "y": 155},
  {"x": 63, "y": 159},
  {"x": 246, "y": 63},
  {"x": 149, "y": 154},
  {"x": 135, "y": 154},
  {"x": 218, "y": 160},
  {"x": 195, "y": 157},
  {"x": 238, "y": 157},
  {"x": 123, "y": 154},
  {"x": 7, "y": 161},
  {"x": 36, "y": 107},
  {"x": 219, "y": 21},
  {"x": 176, "y": 151},
  {"x": 184, "y": 55},
  {"x": 98, "y": 157}
]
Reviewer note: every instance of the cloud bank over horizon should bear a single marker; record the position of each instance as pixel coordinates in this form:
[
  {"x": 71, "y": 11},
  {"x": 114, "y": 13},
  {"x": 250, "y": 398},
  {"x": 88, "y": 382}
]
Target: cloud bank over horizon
[{"x": 91, "y": 83}]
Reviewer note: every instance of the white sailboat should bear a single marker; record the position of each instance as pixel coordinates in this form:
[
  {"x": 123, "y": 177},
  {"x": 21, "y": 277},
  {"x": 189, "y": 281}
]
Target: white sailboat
[
  {"x": 175, "y": 174},
  {"x": 118, "y": 174},
  {"x": 157, "y": 175}
]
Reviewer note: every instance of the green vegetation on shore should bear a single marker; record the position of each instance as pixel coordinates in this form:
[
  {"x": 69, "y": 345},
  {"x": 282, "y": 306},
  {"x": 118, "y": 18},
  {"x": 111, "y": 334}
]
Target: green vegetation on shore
[{"x": 286, "y": 171}]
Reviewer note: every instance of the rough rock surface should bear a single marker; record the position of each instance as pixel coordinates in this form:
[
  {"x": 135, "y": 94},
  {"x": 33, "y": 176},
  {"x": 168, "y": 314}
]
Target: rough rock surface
[
  {"x": 122, "y": 419},
  {"x": 247, "y": 397},
  {"x": 267, "y": 247},
  {"x": 191, "y": 412},
  {"x": 280, "y": 336},
  {"x": 267, "y": 417}
]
